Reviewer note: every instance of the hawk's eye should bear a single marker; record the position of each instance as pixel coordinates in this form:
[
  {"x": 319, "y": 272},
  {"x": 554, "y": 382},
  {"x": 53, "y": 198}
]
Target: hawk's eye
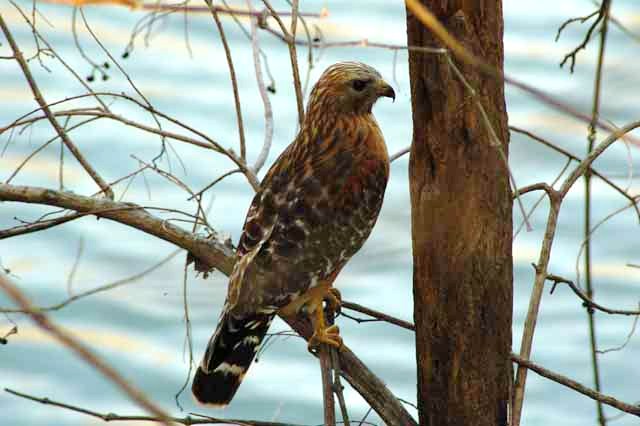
[{"x": 359, "y": 85}]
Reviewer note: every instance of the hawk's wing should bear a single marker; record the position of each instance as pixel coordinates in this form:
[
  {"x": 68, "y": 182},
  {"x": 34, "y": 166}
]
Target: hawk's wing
[{"x": 294, "y": 198}]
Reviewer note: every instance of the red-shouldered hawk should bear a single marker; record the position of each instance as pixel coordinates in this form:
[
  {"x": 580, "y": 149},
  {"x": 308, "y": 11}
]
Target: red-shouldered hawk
[{"x": 315, "y": 209}]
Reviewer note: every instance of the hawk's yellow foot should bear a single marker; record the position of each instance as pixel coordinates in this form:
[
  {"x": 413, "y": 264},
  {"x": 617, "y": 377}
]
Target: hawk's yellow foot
[
  {"x": 311, "y": 302},
  {"x": 322, "y": 333},
  {"x": 329, "y": 336},
  {"x": 334, "y": 300}
]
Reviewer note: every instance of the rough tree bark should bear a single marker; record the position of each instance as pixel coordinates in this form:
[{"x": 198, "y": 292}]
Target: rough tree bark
[{"x": 461, "y": 223}]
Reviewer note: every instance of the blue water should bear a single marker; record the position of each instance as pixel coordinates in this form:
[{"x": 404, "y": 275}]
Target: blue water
[{"x": 139, "y": 327}]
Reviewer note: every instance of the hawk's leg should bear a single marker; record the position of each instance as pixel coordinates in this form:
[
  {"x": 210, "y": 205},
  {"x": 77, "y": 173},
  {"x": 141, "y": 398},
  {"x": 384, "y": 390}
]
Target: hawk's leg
[{"x": 312, "y": 303}]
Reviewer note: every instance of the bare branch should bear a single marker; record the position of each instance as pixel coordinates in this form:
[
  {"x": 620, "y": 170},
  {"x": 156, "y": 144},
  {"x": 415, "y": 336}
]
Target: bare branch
[
  {"x": 111, "y": 417},
  {"x": 378, "y": 315},
  {"x": 578, "y": 387},
  {"x": 588, "y": 302},
  {"x": 552, "y": 193},
  {"x": 602, "y": 12},
  {"x": 399, "y": 154},
  {"x": 212, "y": 253}
]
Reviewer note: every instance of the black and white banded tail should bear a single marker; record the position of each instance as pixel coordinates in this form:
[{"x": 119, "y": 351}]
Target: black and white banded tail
[{"x": 228, "y": 356}]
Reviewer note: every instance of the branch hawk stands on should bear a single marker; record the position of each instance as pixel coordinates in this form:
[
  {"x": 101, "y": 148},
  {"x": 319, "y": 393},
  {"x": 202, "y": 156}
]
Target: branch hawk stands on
[{"x": 316, "y": 207}]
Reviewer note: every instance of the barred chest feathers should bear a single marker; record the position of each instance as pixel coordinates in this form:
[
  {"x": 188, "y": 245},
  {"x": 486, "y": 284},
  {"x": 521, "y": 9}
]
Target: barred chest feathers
[
  {"x": 329, "y": 212},
  {"x": 316, "y": 211}
]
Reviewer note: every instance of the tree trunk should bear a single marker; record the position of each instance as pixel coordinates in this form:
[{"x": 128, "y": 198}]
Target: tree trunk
[{"x": 461, "y": 223}]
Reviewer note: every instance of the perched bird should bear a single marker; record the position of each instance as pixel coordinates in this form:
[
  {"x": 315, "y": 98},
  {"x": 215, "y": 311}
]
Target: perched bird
[{"x": 315, "y": 209}]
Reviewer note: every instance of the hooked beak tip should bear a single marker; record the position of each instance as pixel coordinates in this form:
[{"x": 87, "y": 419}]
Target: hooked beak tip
[{"x": 388, "y": 92}]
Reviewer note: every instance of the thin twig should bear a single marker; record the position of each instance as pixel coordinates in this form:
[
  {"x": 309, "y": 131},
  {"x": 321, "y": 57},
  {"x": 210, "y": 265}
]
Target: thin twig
[
  {"x": 399, "y": 154},
  {"x": 602, "y": 13},
  {"x": 185, "y": 308},
  {"x": 337, "y": 386},
  {"x": 307, "y": 33},
  {"x": 378, "y": 315},
  {"x": 220, "y": 9},
  {"x": 321, "y": 44},
  {"x": 213, "y": 183},
  {"x": 234, "y": 81},
  {"x": 209, "y": 144},
  {"x": 549, "y": 191},
  {"x": 323, "y": 353},
  {"x": 558, "y": 378},
  {"x": 43, "y": 146},
  {"x": 150, "y": 107},
  {"x": 40, "y": 39},
  {"x": 59, "y": 130},
  {"x": 111, "y": 417},
  {"x": 626, "y": 341},
  {"x": 268, "y": 112},
  {"x": 290, "y": 39},
  {"x": 74, "y": 268},
  {"x": 591, "y": 138},
  {"x": 588, "y": 301},
  {"x": 99, "y": 289},
  {"x": 294, "y": 62},
  {"x": 595, "y": 228}
]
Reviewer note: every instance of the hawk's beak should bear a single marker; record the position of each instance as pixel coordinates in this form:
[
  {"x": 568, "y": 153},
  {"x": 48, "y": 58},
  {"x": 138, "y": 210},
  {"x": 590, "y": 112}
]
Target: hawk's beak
[{"x": 385, "y": 90}]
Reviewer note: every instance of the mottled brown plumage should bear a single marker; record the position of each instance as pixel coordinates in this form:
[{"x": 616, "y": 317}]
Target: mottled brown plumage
[{"x": 316, "y": 207}]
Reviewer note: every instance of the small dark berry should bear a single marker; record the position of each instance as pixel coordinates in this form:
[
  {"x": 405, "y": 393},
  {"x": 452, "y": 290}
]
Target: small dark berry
[
  {"x": 125, "y": 55},
  {"x": 106, "y": 65},
  {"x": 90, "y": 78},
  {"x": 105, "y": 77},
  {"x": 271, "y": 88}
]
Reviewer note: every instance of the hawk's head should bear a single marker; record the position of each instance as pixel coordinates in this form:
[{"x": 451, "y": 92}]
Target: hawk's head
[{"x": 350, "y": 88}]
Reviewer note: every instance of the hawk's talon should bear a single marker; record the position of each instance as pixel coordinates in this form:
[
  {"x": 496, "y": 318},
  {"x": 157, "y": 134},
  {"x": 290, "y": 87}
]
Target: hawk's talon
[
  {"x": 329, "y": 336},
  {"x": 333, "y": 298}
]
